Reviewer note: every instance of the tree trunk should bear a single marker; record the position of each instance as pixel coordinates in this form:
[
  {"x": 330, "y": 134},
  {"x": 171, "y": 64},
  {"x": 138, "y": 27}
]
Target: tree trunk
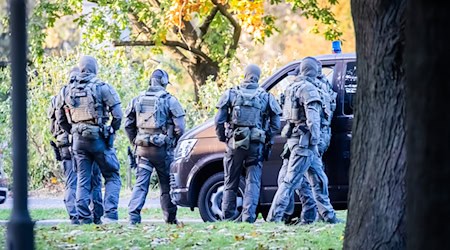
[
  {"x": 199, "y": 72},
  {"x": 428, "y": 143},
  {"x": 376, "y": 212}
]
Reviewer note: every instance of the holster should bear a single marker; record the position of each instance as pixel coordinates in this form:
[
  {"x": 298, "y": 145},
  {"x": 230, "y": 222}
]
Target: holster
[
  {"x": 286, "y": 132},
  {"x": 304, "y": 139}
]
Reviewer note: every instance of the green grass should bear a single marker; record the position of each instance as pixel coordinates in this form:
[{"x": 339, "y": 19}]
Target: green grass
[
  {"x": 147, "y": 213},
  {"x": 223, "y": 235}
]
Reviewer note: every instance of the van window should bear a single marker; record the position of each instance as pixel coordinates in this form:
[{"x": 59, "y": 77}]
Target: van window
[
  {"x": 350, "y": 88},
  {"x": 278, "y": 89}
]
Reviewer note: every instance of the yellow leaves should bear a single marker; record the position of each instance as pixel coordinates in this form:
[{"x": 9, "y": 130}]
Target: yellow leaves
[
  {"x": 250, "y": 15},
  {"x": 53, "y": 180},
  {"x": 183, "y": 10}
]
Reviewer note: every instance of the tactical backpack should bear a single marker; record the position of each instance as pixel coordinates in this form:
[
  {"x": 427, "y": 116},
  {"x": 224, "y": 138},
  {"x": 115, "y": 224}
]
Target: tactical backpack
[
  {"x": 150, "y": 111},
  {"x": 247, "y": 107},
  {"x": 84, "y": 102}
]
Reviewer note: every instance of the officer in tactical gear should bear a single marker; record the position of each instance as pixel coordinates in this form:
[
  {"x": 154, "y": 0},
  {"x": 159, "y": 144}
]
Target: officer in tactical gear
[
  {"x": 301, "y": 110},
  {"x": 154, "y": 123},
  {"x": 247, "y": 119},
  {"x": 83, "y": 109},
  {"x": 328, "y": 98},
  {"x": 63, "y": 153}
]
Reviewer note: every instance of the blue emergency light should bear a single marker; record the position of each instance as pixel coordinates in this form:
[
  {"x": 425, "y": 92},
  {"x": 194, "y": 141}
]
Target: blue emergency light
[{"x": 336, "y": 47}]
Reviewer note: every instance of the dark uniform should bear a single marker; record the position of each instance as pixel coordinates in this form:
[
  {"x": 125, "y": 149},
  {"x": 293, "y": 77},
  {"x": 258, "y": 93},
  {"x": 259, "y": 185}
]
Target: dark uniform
[
  {"x": 309, "y": 205},
  {"x": 83, "y": 108},
  {"x": 63, "y": 143},
  {"x": 154, "y": 123},
  {"x": 246, "y": 120},
  {"x": 302, "y": 112}
]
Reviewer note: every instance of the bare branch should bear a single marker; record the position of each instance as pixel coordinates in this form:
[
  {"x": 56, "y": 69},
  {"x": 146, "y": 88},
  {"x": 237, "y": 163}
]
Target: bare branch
[
  {"x": 236, "y": 25},
  {"x": 178, "y": 44},
  {"x": 205, "y": 26}
]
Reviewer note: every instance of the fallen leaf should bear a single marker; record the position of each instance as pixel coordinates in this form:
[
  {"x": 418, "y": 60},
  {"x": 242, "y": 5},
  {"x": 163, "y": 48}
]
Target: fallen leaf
[
  {"x": 254, "y": 234},
  {"x": 239, "y": 237},
  {"x": 53, "y": 180}
]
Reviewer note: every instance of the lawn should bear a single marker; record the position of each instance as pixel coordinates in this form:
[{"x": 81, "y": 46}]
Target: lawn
[
  {"x": 56, "y": 213},
  {"x": 223, "y": 235}
]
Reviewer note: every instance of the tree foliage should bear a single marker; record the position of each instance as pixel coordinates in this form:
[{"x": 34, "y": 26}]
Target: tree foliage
[
  {"x": 128, "y": 76},
  {"x": 202, "y": 35}
]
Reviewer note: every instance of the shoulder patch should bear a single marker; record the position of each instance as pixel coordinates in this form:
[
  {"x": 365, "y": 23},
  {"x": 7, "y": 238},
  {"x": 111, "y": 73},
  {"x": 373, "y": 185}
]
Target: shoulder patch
[{"x": 223, "y": 101}]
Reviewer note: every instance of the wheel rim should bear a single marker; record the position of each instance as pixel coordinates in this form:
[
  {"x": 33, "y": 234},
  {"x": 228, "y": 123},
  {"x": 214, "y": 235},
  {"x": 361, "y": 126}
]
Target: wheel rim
[{"x": 214, "y": 202}]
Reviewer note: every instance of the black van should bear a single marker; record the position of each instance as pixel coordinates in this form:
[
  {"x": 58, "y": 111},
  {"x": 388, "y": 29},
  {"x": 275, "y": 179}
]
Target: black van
[{"x": 197, "y": 172}]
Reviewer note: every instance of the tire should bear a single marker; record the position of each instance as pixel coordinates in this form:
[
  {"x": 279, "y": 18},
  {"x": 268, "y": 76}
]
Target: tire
[{"x": 210, "y": 198}]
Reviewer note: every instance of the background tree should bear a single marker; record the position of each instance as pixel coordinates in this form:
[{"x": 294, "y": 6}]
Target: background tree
[
  {"x": 376, "y": 209},
  {"x": 428, "y": 141},
  {"x": 202, "y": 35}
]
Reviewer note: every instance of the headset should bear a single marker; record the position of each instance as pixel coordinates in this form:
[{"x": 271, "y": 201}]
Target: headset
[{"x": 164, "y": 77}]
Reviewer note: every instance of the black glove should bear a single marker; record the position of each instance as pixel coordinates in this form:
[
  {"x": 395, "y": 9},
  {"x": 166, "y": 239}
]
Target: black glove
[
  {"x": 220, "y": 132},
  {"x": 267, "y": 151},
  {"x": 131, "y": 159},
  {"x": 56, "y": 151}
]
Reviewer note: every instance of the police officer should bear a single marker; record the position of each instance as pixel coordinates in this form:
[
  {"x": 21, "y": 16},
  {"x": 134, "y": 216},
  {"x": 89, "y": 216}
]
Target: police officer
[
  {"x": 154, "y": 123},
  {"x": 328, "y": 98},
  {"x": 63, "y": 153},
  {"x": 247, "y": 119},
  {"x": 301, "y": 110},
  {"x": 82, "y": 110}
]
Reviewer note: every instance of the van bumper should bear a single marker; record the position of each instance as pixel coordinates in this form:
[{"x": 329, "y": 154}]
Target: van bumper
[{"x": 179, "y": 194}]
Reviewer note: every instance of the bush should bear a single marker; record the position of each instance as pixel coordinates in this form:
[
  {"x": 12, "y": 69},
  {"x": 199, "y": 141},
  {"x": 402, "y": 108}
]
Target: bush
[{"x": 129, "y": 78}]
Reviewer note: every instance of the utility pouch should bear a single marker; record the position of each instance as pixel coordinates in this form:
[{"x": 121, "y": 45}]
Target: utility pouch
[
  {"x": 304, "y": 139},
  {"x": 241, "y": 138},
  {"x": 62, "y": 140},
  {"x": 257, "y": 135},
  {"x": 142, "y": 140},
  {"x": 147, "y": 140},
  {"x": 87, "y": 131},
  {"x": 158, "y": 140}
]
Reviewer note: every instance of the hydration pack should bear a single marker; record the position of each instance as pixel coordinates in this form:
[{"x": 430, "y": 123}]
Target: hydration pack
[
  {"x": 84, "y": 102},
  {"x": 150, "y": 110},
  {"x": 247, "y": 107}
]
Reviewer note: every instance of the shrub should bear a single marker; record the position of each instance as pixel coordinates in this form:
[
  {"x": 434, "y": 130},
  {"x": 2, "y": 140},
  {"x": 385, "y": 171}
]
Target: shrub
[{"x": 129, "y": 78}]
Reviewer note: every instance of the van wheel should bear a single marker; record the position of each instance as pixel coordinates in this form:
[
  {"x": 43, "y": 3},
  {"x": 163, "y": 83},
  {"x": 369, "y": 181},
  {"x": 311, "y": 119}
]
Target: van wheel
[{"x": 210, "y": 199}]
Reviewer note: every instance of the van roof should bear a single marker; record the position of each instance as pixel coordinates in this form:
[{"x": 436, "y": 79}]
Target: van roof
[{"x": 340, "y": 56}]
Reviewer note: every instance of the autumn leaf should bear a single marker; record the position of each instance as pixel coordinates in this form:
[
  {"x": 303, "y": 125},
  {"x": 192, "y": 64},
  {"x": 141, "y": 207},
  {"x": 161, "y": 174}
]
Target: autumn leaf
[{"x": 239, "y": 237}]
